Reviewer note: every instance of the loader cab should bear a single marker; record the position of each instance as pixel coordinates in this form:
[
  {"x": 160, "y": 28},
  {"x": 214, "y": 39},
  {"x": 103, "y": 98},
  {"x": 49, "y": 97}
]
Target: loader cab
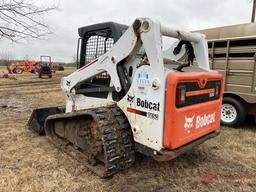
[{"x": 96, "y": 40}]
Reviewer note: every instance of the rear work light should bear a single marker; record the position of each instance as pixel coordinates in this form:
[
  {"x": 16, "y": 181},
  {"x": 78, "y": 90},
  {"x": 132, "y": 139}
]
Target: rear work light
[
  {"x": 181, "y": 94},
  {"x": 217, "y": 90}
]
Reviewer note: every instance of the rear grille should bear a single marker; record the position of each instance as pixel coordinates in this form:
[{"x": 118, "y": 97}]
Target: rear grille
[{"x": 201, "y": 96}]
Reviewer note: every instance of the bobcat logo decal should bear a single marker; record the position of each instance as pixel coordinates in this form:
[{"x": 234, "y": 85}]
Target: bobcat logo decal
[
  {"x": 188, "y": 122},
  {"x": 130, "y": 98}
]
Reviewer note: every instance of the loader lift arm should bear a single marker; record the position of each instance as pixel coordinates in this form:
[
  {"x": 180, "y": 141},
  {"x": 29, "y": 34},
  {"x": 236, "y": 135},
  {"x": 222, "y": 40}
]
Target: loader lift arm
[{"x": 146, "y": 32}]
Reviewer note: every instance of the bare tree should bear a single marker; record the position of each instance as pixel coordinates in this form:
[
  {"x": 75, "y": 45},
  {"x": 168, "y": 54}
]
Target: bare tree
[
  {"x": 74, "y": 59},
  {"x": 23, "y": 19},
  {"x": 5, "y": 58}
]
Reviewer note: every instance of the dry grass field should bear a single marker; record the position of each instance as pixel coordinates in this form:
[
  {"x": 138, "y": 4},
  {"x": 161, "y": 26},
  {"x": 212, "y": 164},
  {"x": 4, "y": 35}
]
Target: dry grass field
[{"x": 30, "y": 163}]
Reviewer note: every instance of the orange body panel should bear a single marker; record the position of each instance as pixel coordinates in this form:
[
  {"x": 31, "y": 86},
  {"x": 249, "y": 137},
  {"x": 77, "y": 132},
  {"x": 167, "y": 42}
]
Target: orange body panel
[{"x": 202, "y": 118}]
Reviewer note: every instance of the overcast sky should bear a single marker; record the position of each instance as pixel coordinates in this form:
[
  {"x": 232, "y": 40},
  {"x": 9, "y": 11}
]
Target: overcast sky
[{"x": 182, "y": 14}]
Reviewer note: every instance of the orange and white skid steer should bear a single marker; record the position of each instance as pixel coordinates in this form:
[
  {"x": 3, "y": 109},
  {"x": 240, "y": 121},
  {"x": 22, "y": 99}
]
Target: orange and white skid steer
[{"x": 125, "y": 97}]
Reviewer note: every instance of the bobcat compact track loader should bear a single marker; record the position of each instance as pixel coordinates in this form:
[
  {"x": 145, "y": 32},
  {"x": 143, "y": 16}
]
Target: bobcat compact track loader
[{"x": 126, "y": 98}]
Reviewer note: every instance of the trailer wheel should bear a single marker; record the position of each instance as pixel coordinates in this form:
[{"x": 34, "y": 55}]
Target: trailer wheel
[
  {"x": 18, "y": 70},
  {"x": 233, "y": 112}
]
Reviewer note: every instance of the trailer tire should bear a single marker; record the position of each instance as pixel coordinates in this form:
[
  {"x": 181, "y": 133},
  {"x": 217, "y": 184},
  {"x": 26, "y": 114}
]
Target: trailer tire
[
  {"x": 18, "y": 70},
  {"x": 233, "y": 113}
]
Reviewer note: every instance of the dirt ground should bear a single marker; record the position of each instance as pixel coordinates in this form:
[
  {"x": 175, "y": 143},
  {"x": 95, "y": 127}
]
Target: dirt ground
[{"x": 30, "y": 163}]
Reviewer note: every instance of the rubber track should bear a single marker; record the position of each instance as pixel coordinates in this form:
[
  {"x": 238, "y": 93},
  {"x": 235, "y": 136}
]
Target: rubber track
[{"x": 116, "y": 138}]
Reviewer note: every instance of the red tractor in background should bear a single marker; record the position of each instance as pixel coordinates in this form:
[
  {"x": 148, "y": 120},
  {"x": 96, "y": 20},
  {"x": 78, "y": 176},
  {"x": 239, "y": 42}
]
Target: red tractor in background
[{"x": 45, "y": 68}]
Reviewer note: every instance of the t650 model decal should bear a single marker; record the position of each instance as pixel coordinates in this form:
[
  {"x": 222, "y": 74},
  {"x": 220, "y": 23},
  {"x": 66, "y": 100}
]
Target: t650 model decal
[{"x": 143, "y": 113}]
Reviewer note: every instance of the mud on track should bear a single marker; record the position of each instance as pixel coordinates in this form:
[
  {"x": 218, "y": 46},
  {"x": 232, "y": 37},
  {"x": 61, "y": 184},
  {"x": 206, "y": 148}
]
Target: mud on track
[{"x": 30, "y": 163}]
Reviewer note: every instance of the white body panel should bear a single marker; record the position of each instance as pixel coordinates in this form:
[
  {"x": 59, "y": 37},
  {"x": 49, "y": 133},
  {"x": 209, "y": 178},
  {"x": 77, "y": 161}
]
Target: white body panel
[
  {"x": 147, "y": 81},
  {"x": 147, "y": 130}
]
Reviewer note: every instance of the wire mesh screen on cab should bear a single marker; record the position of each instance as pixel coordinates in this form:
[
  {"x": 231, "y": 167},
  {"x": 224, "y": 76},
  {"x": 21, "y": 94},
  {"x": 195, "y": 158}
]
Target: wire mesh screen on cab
[
  {"x": 97, "y": 43},
  {"x": 96, "y": 46}
]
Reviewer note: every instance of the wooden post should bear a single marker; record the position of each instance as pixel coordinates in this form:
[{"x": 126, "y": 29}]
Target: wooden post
[{"x": 253, "y": 11}]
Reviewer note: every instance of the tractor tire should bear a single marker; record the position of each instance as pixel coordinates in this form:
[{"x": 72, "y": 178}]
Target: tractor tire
[
  {"x": 233, "y": 113},
  {"x": 18, "y": 70}
]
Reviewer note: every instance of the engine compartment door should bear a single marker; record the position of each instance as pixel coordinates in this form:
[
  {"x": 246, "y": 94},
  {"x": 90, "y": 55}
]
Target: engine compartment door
[{"x": 192, "y": 106}]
